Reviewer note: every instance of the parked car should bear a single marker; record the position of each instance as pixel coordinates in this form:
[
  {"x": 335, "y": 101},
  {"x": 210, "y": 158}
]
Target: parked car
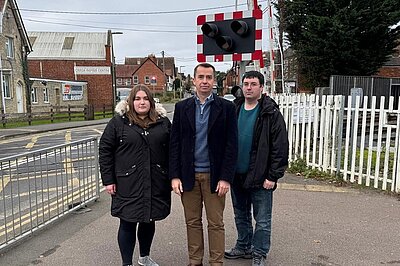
[
  {"x": 123, "y": 93},
  {"x": 229, "y": 97}
]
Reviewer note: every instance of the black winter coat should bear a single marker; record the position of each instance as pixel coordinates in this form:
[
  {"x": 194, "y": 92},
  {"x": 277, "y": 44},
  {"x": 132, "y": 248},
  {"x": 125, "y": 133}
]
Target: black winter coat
[
  {"x": 270, "y": 146},
  {"x": 136, "y": 160}
]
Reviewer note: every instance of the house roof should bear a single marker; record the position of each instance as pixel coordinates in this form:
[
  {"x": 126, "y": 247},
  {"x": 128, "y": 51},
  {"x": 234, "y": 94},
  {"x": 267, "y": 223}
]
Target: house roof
[
  {"x": 125, "y": 71},
  {"x": 18, "y": 20},
  {"x": 68, "y": 45},
  {"x": 169, "y": 63},
  {"x": 145, "y": 60}
]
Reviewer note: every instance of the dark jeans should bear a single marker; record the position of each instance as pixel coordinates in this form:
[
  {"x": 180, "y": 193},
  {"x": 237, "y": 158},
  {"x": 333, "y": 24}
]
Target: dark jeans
[
  {"x": 127, "y": 239},
  {"x": 243, "y": 200}
]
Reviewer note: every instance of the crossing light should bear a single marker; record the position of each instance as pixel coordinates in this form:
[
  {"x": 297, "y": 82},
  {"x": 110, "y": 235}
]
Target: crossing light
[
  {"x": 228, "y": 36},
  {"x": 240, "y": 27}
]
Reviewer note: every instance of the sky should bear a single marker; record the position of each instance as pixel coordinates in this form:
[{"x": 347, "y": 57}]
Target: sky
[{"x": 152, "y": 27}]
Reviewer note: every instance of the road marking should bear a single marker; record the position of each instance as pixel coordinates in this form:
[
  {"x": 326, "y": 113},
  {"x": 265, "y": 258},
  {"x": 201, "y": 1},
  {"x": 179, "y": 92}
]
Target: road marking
[
  {"x": 4, "y": 181},
  {"x": 86, "y": 181},
  {"x": 44, "y": 211},
  {"x": 69, "y": 169},
  {"x": 68, "y": 136},
  {"x": 32, "y": 143},
  {"x": 315, "y": 188},
  {"x": 98, "y": 131}
]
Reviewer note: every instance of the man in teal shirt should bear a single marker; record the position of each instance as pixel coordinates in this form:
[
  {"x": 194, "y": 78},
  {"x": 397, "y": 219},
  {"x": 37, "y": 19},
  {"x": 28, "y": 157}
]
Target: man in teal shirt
[{"x": 262, "y": 160}]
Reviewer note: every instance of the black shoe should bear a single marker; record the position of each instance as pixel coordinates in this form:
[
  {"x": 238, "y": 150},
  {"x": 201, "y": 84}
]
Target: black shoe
[{"x": 235, "y": 253}]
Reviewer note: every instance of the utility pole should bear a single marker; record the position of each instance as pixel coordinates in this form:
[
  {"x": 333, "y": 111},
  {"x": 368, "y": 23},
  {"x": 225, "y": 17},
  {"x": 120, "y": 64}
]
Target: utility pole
[
  {"x": 251, "y": 5},
  {"x": 113, "y": 74},
  {"x": 3, "y": 100},
  {"x": 163, "y": 69}
]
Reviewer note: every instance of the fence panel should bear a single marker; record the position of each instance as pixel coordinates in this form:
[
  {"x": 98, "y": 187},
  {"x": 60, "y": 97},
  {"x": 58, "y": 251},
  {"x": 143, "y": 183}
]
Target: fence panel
[
  {"x": 39, "y": 187},
  {"x": 355, "y": 138}
]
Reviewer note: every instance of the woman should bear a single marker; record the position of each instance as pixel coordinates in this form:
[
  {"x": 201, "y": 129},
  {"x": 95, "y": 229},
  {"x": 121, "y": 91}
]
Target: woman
[{"x": 133, "y": 164}]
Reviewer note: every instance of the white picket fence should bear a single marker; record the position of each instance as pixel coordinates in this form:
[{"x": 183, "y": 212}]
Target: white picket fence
[{"x": 360, "y": 143}]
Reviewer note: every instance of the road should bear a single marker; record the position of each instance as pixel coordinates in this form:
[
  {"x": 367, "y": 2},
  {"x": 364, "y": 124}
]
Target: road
[{"x": 35, "y": 141}]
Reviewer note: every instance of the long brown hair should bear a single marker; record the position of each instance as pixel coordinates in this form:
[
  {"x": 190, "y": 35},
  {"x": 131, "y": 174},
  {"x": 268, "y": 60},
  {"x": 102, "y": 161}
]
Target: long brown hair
[{"x": 131, "y": 113}]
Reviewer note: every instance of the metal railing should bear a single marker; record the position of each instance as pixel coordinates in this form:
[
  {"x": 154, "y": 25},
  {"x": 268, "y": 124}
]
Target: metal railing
[{"x": 39, "y": 187}]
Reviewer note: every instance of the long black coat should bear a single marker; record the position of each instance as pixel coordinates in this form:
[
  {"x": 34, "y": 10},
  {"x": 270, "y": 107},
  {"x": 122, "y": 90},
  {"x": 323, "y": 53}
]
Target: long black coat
[
  {"x": 222, "y": 142},
  {"x": 136, "y": 160}
]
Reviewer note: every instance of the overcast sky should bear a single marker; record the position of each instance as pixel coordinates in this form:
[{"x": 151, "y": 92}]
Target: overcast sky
[{"x": 143, "y": 34}]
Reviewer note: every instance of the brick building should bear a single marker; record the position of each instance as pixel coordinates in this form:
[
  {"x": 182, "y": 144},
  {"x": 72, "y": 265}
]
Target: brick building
[
  {"x": 14, "y": 48},
  {"x": 391, "y": 69},
  {"x": 75, "y": 56},
  {"x": 146, "y": 71}
]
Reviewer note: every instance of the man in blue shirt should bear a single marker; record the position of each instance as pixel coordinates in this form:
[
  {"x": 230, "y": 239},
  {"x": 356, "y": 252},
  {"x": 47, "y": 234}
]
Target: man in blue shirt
[
  {"x": 203, "y": 155},
  {"x": 262, "y": 160}
]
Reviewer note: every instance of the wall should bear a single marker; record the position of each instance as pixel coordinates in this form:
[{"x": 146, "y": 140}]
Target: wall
[
  {"x": 55, "y": 92},
  {"x": 99, "y": 86},
  {"x": 14, "y": 65},
  {"x": 148, "y": 68}
]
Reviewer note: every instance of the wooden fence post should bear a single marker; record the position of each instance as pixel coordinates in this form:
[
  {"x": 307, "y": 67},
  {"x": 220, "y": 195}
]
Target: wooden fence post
[
  {"x": 51, "y": 115},
  {"x": 30, "y": 115},
  {"x": 69, "y": 112},
  {"x": 3, "y": 118},
  {"x": 104, "y": 110}
]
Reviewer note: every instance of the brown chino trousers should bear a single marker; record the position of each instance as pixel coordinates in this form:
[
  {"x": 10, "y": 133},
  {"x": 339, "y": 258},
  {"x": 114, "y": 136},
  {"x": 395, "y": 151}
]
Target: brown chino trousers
[{"x": 193, "y": 205}]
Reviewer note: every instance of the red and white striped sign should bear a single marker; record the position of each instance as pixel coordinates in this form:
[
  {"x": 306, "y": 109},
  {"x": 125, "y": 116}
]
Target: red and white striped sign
[{"x": 256, "y": 55}]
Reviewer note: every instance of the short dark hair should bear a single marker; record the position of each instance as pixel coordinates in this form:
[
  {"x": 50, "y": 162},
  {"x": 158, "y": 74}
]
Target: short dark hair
[
  {"x": 254, "y": 74},
  {"x": 205, "y": 65}
]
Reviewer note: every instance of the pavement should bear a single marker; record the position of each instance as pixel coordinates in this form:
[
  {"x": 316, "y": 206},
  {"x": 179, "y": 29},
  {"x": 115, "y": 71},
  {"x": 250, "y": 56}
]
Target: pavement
[{"x": 314, "y": 223}]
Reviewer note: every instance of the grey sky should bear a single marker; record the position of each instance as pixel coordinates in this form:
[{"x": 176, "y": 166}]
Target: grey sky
[{"x": 181, "y": 43}]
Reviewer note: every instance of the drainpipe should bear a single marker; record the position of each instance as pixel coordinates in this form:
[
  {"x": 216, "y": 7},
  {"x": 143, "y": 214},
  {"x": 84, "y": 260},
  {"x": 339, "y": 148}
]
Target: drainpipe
[{"x": 3, "y": 100}]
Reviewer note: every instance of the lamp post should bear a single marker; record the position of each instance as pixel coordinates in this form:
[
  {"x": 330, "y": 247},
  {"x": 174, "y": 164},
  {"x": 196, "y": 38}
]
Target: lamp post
[
  {"x": 113, "y": 74},
  {"x": 181, "y": 76}
]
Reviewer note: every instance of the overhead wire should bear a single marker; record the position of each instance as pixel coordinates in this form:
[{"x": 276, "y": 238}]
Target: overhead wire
[
  {"x": 113, "y": 28},
  {"x": 124, "y": 13}
]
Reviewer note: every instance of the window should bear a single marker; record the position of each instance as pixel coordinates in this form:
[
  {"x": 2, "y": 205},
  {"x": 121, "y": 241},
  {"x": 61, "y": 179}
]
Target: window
[
  {"x": 68, "y": 42},
  {"x": 34, "y": 95},
  {"x": 46, "y": 95},
  {"x": 135, "y": 79},
  {"x": 10, "y": 47},
  {"x": 7, "y": 86},
  {"x": 32, "y": 39},
  {"x": 128, "y": 82},
  {"x": 146, "y": 80},
  {"x": 119, "y": 81}
]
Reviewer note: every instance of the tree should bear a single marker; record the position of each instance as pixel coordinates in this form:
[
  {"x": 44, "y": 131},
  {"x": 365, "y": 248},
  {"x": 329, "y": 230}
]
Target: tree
[{"x": 340, "y": 37}]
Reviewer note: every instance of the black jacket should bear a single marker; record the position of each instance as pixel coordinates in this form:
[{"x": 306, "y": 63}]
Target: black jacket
[
  {"x": 222, "y": 142},
  {"x": 136, "y": 160},
  {"x": 270, "y": 146}
]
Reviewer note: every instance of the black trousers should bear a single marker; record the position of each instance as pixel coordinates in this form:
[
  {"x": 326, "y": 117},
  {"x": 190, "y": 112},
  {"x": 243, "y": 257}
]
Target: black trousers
[{"x": 127, "y": 239}]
